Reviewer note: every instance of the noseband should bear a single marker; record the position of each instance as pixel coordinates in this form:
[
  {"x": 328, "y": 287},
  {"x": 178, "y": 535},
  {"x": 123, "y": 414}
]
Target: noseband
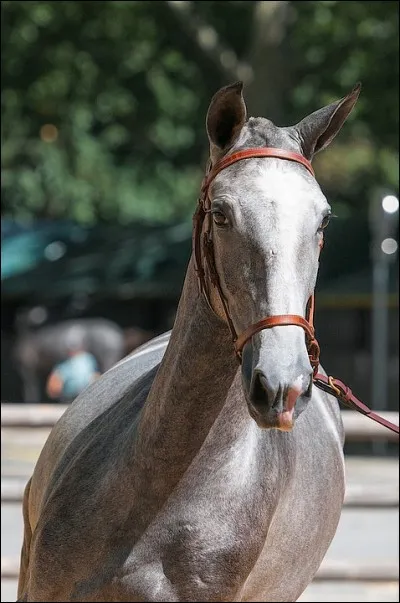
[{"x": 203, "y": 250}]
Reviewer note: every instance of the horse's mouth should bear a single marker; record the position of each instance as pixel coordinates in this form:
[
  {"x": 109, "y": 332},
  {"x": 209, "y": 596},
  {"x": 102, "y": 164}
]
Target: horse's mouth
[{"x": 272, "y": 419}]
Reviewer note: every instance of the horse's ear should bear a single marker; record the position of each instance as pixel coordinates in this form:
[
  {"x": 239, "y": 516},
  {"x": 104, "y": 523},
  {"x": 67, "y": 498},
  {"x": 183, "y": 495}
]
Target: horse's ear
[
  {"x": 226, "y": 116},
  {"x": 317, "y": 130}
]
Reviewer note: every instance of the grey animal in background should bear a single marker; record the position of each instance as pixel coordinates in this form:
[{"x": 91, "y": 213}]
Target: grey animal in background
[
  {"x": 36, "y": 352},
  {"x": 167, "y": 479}
]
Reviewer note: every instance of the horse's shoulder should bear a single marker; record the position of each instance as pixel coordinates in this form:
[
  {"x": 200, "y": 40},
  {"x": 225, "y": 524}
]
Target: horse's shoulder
[
  {"x": 98, "y": 441},
  {"x": 113, "y": 385},
  {"x": 91, "y": 417}
]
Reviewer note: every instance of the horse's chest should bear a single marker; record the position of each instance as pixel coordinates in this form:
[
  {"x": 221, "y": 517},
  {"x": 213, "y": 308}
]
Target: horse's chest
[
  {"x": 187, "y": 552},
  {"x": 192, "y": 562}
]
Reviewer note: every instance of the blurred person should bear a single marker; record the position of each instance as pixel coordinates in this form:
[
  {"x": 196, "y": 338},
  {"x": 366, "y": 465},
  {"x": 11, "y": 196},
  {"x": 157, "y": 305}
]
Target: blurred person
[
  {"x": 37, "y": 350},
  {"x": 71, "y": 376}
]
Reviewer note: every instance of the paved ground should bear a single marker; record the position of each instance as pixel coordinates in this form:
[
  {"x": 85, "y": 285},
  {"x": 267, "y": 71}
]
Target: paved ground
[
  {"x": 366, "y": 536},
  {"x": 351, "y": 592},
  {"x": 325, "y": 591}
]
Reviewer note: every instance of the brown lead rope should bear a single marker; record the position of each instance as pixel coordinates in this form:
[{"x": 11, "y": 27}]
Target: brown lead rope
[{"x": 344, "y": 394}]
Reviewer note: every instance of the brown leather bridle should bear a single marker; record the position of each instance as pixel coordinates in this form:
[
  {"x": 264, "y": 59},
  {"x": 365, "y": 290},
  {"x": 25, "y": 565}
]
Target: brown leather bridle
[
  {"x": 203, "y": 247},
  {"x": 203, "y": 253}
]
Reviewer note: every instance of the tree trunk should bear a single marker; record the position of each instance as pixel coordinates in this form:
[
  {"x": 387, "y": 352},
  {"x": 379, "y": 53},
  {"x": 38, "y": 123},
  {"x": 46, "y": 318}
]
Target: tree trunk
[{"x": 268, "y": 57}]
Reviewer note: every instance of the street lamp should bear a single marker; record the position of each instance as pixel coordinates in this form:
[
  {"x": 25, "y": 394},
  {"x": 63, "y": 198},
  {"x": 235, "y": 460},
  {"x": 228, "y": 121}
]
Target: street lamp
[{"x": 384, "y": 210}]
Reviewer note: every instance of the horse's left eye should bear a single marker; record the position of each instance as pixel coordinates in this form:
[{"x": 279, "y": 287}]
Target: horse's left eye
[
  {"x": 219, "y": 218},
  {"x": 324, "y": 223}
]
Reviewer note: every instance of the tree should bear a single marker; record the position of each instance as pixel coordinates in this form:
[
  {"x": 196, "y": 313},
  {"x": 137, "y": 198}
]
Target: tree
[
  {"x": 334, "y": 45},
  {"x": 103, "y": 103},
  {"x": 96, "y": 104}
]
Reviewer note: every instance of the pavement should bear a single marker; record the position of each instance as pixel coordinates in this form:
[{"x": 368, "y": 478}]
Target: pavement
[{"x": 366, "y": 541}]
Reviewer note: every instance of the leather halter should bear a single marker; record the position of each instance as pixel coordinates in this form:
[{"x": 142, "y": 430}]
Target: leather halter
[{"x": 203, "y": 247}]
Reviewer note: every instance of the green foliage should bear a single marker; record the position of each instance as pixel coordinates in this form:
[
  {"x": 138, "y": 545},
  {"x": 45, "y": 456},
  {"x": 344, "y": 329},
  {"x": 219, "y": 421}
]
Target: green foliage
[
  {"x": 334, "y": 45},
  {"x": 121, "y": 98},
  {"x": 103, "y": 102}
]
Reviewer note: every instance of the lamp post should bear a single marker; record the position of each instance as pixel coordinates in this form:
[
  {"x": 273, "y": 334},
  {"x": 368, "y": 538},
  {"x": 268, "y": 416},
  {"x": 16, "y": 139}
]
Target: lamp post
[{"x": 384, "y": 210}]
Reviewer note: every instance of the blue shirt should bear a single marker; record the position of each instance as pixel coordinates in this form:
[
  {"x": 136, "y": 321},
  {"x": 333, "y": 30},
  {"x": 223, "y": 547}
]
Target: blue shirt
[{"x": 76, "y": 373}]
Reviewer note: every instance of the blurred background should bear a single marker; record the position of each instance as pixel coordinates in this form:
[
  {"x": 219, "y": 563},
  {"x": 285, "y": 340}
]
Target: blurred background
[{"x": 103, "y": 148}]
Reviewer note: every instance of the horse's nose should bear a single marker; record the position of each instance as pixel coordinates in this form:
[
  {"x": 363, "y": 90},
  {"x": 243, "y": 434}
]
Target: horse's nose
[{"x": 275, "y": 398}]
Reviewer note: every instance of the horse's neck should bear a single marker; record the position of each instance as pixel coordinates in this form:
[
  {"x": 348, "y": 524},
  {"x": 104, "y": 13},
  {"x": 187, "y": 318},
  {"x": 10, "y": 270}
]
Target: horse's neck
[{"x": 191, "y": 385}]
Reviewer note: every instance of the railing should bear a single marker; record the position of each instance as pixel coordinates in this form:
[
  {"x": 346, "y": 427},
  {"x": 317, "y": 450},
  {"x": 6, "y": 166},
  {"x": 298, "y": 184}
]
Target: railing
[{"x": 357, "y": 427}]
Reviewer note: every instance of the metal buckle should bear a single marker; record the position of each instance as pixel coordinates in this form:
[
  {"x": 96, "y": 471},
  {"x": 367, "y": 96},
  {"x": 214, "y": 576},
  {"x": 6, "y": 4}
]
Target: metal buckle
[{"x": 333, "y": 386}]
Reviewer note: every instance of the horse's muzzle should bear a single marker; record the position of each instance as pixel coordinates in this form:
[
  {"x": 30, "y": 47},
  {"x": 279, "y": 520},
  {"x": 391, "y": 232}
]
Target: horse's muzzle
[{"x": 275, "y": 399}]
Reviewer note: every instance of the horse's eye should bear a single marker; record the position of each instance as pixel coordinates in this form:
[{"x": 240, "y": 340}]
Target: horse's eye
[
  {"x": 324, "y": 223},
  {"x": 219, "y": 218}
]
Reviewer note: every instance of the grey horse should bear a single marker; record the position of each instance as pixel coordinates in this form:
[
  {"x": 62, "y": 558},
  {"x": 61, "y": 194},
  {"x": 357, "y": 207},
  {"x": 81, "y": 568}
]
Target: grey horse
[{"x": 172, "y": 478}]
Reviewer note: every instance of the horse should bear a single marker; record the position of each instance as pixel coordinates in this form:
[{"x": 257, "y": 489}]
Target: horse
[
  {"x": 201, "y": 468},
  {"x": 36, "y": 352}
]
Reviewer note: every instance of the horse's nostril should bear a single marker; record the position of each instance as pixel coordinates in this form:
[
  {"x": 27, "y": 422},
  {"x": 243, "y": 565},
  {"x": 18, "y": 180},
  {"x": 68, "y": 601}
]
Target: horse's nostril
[
  {"x": 273, "y": 393},
  {"x": 259, "y": 390},
  {"x": 308, "y": 391}
]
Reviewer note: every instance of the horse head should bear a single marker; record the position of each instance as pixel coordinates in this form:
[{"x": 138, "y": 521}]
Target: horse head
[{"x": 264, "y": 218}]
